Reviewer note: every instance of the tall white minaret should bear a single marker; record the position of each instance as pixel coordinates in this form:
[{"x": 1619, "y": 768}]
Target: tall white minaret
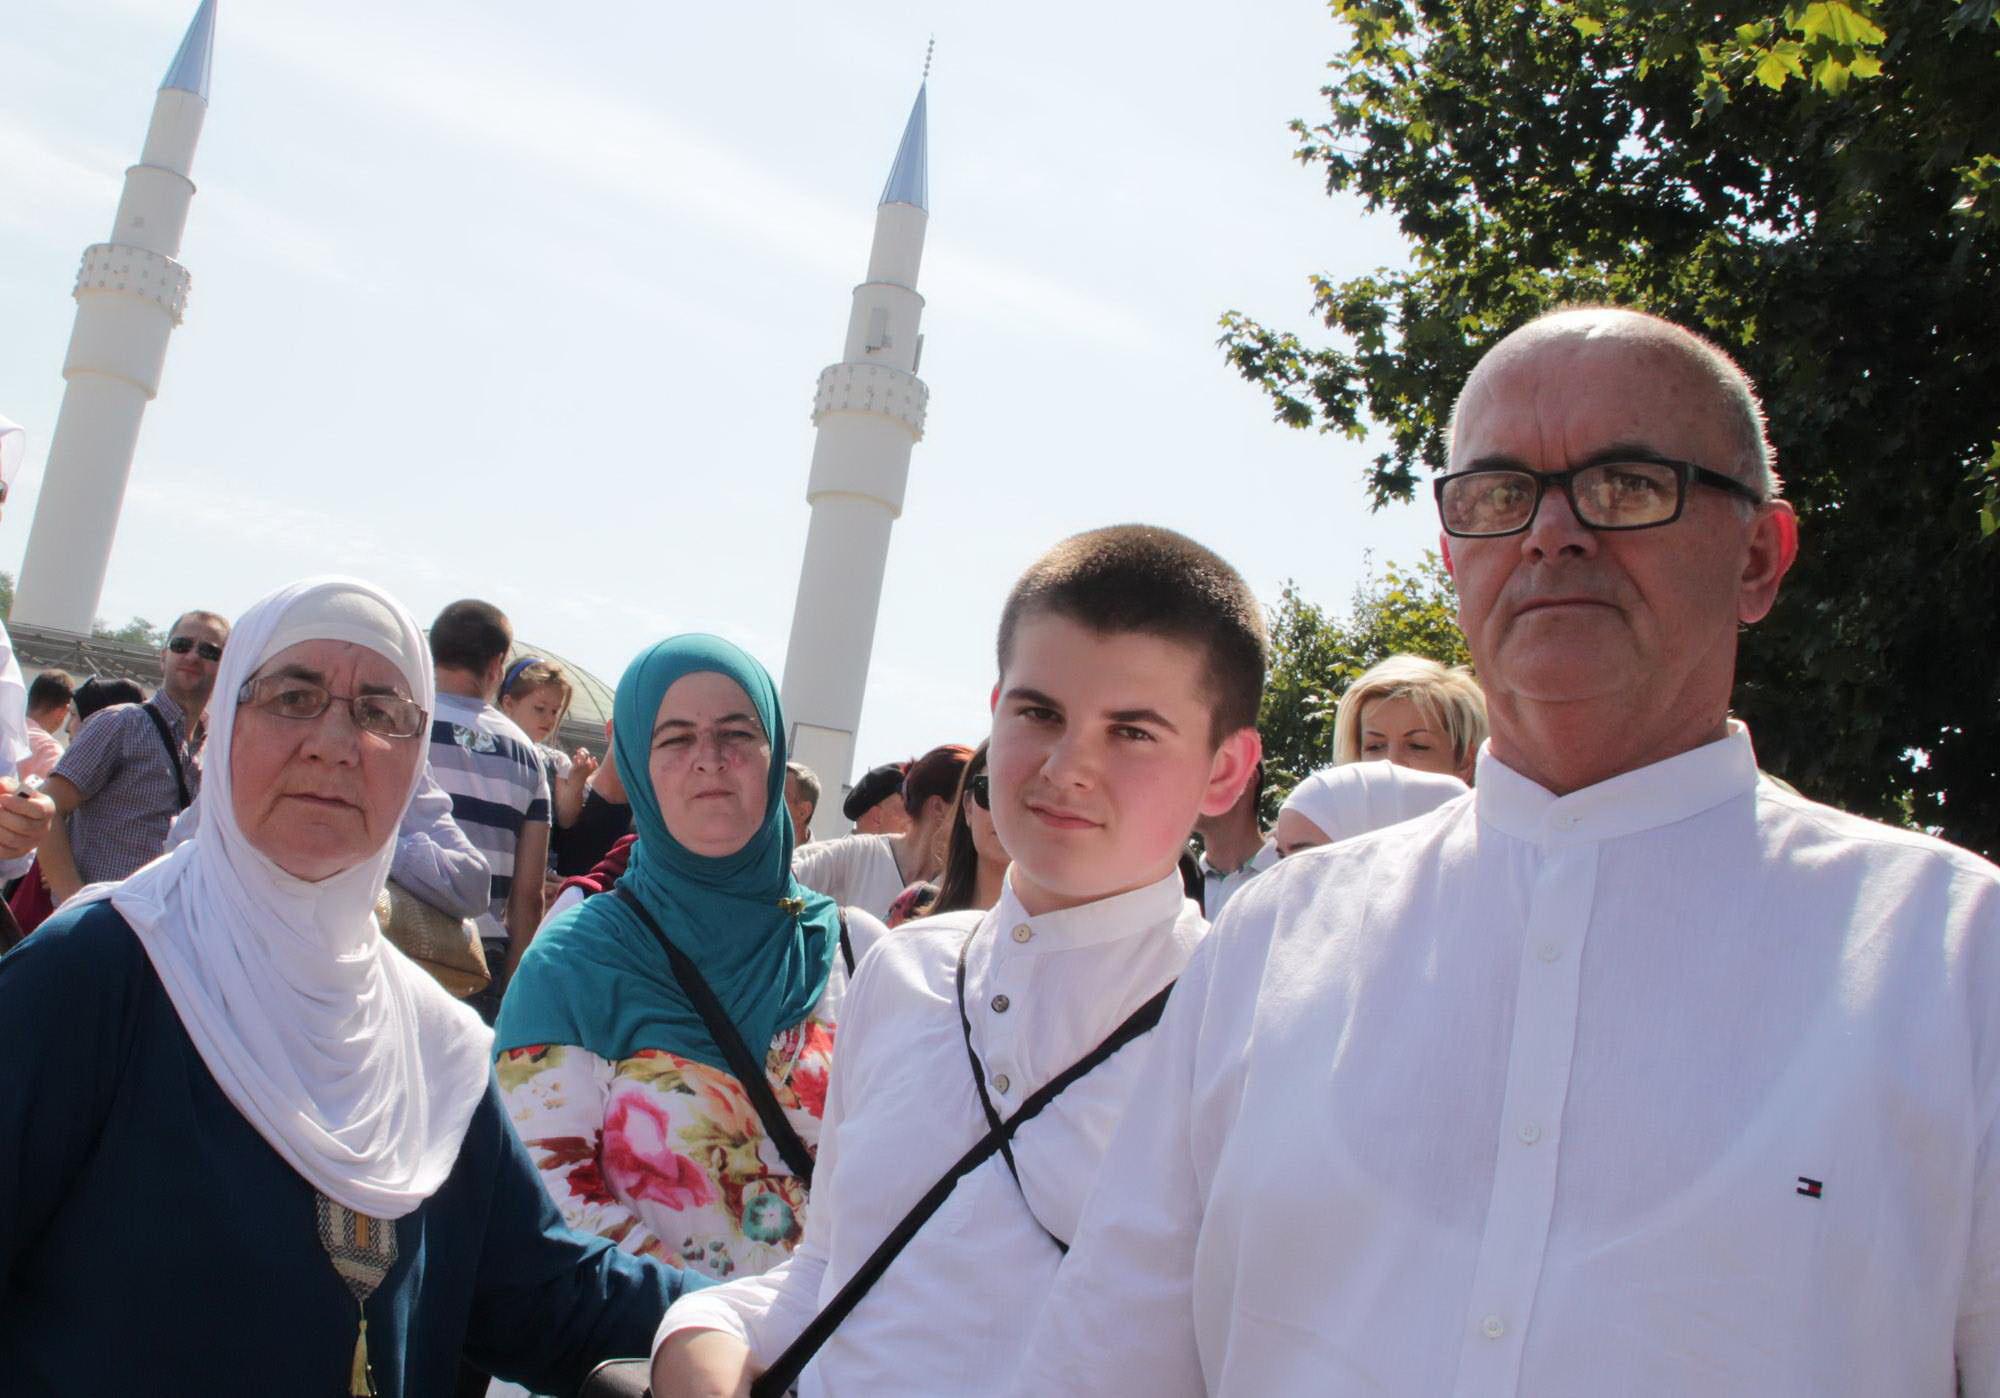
[
  {"x": 130, "y": 294},
  {"x": 870, "y": 412}
]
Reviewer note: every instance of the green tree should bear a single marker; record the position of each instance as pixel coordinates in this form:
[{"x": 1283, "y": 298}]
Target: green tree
[
  {"x": 136, "y": 632},
  {"x": 1812, "y": 187},
  {"x": 1315, "y": 657},
  {"x": 6, "y": 595}
]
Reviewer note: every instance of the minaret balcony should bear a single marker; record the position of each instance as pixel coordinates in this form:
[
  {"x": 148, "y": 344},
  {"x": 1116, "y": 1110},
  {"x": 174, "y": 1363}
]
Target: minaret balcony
[
  {"x": 872, "y": 388},
  {"x": 137, "y": 272}
]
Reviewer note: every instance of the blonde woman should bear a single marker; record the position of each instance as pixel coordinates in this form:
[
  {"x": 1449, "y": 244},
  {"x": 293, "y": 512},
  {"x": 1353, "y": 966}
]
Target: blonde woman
[{"x": 1413, "y": 712}]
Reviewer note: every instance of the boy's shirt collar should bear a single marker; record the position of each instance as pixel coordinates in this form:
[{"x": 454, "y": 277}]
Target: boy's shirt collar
[{"x": 1088, "y": 924}]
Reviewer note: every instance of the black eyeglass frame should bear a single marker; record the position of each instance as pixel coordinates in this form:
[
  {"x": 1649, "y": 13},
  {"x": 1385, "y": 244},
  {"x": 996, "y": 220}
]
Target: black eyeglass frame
[
  {"x": 1685, "y": 473},
  {"x": 181, "y": 645},
  {"x": 981, "y": 791},
  {"x": 248, "y": 693}
]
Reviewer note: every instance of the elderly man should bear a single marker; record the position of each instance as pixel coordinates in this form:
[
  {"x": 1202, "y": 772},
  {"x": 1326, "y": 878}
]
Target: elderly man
[
  {"x": 1633, "y": 1074},
  {"x": 801, "y": 799}
]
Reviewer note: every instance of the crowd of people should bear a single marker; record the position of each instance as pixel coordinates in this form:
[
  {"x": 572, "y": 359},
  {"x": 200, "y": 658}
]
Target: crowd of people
[{"x": 362, "y": 1040}]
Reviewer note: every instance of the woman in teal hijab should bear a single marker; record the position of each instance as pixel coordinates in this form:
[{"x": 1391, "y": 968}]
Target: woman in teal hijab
[{"x": 614, "y": 1078}]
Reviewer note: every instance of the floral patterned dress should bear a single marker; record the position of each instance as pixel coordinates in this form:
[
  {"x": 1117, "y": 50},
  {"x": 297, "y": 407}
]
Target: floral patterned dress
[{"x": 665, "y": 1155}]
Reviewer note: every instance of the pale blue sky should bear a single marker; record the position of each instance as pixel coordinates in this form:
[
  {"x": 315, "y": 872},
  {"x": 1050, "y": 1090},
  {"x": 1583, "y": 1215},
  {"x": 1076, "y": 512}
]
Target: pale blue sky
[{"x": 497, "y": 300}]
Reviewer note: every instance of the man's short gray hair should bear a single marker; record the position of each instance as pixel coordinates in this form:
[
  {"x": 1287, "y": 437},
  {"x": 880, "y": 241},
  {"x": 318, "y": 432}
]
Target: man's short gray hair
[
  {"x": 808, "y": 781},
  {"x": 1736, "y": 396}
]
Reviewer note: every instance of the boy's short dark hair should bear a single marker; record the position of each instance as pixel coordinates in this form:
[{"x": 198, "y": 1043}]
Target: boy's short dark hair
[
  {"x": 50, "y": 689},
  {"x": 470, "y": 635},
  {"x": 1144, "y": 579}
]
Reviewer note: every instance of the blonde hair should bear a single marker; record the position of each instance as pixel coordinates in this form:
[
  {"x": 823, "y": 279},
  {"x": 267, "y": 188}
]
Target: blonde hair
[
  {"x": 536, "y": 674},
  {"x": 1447, "y": 696}
]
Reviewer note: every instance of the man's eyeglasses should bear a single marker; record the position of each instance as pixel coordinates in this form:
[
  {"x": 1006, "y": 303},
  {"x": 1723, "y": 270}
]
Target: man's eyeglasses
[
  {"x": 981, "y": 791},
  {"x": 288, "y": 696},
  {"x": 207, "y": 650},
  {"x": 1628, "y": 494}
]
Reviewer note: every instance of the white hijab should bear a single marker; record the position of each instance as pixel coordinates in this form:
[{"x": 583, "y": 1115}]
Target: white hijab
[
  {"x": 1357, "y": 797},
  {"x": 353, "y": 1063},
  {"x": 14, "y": 746}
]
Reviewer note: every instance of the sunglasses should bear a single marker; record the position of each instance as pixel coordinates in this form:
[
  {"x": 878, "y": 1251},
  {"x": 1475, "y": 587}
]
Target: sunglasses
[
  {"x": 207, "y": 650},
  {"x": 981, "y": 791}
]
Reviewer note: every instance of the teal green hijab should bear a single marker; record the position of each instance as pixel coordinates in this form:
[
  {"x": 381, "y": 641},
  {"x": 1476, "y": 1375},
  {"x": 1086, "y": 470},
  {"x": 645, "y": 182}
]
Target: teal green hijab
[{"x": 595, "y": 977}]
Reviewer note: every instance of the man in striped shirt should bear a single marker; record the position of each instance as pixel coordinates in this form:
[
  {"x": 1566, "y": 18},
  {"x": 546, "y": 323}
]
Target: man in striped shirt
[{"x": 498, "y": 786}]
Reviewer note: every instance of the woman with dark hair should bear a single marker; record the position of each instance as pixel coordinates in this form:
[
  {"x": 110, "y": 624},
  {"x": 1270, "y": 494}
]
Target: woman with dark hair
[
  {"x": 873, "y": 871},
  {"x": 975, "y": 862}
]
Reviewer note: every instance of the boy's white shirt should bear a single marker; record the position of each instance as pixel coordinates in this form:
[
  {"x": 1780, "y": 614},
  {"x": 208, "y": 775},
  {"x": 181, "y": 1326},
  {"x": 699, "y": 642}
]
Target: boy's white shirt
[{"x": 953, "y": 1310}]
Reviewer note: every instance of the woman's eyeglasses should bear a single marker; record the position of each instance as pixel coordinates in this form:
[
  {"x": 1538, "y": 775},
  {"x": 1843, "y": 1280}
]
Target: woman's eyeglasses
[
  {"x": 980, "y": 791},
  {"x": 207, "y": 650},
  {"x": 288, "y": 696}
]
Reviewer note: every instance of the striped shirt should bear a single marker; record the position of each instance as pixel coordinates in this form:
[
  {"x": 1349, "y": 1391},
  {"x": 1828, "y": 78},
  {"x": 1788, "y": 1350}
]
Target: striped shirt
[{"x": 497, "y": 784}]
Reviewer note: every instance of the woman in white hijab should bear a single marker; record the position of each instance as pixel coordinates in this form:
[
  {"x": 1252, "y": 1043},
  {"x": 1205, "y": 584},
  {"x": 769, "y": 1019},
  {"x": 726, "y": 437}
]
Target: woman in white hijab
[
  {"x": 246, "y": 1146},
  {"x": 1338, "y": 803}
]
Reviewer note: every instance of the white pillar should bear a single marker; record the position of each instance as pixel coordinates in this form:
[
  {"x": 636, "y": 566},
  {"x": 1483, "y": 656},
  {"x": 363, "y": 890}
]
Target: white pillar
[
  {"x": 130, "y": 294},
  {"x": 870, "y": 412}
]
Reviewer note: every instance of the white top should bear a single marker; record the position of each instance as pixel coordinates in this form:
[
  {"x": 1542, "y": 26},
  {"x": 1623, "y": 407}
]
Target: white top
[
  {"x": 951, "y": 1313},
  {"x": 1679, "y": 1084},
  {"x": 1217, "y": 889},
  {"x": 855, "y": 871}
]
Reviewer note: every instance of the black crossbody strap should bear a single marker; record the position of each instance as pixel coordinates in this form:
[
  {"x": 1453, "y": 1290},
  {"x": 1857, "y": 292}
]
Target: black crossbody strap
[
  {"x": 775, "y": 1381},
  {"x": 748, "y": 1070},
  {"x": 846, "y": 947},
  {"x": 173, "y": 754},
  {"x": 986, "y": 1100}
]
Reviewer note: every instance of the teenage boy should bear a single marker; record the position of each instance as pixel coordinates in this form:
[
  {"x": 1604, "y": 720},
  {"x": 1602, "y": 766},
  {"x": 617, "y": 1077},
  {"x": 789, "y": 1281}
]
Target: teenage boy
[{"x": 1131, "y": 662}]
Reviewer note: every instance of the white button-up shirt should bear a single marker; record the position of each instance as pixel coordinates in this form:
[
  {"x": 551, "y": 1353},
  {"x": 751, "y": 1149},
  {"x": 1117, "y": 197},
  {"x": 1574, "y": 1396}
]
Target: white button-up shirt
[
  {"x": 1679, "y": 1084},
  {"x": 953, "y": 1310}
]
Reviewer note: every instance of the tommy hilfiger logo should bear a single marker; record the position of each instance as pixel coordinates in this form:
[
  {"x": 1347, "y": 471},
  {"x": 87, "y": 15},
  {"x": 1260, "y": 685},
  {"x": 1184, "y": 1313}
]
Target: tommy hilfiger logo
[{"x": 1809, "y": 1188}]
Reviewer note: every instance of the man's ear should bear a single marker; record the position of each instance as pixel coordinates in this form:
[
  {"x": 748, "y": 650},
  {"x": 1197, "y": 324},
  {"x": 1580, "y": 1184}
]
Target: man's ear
[
  {"x": 1235, "y": 762},
  {"x": 993, "y": 699},
  {"x": 1444, "y": 547},
  {"x": 1774, "y": 546}
]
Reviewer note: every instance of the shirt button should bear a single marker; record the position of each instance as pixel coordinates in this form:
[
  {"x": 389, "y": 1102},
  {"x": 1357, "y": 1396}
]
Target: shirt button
[
  {"x": 1024, "y": 933},
  {"x": 1529, "y": 1133},
  {"x": 1549, "y": 951},
  {"x": 1000, "y": 1083},
  {"x": 1492, "y": 1327},
  {"x": 1000, "y": 1004}
]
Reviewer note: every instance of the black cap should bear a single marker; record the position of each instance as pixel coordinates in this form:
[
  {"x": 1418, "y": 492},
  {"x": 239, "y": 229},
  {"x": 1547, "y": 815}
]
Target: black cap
[{"x": 877, "y": 785}]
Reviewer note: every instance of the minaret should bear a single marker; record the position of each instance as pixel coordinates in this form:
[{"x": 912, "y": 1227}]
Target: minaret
[
  {"x": 130, "y": 294},
  {"x": 869, "y": 411}
]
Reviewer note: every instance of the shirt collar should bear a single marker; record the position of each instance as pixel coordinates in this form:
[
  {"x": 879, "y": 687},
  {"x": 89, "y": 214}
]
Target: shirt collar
[
  {"x": 1643, "y": 799},
  {"x": 169, "y": 710},
  {"x": 1264, "y": 858},
  {"x": 1089, "y": 924}
]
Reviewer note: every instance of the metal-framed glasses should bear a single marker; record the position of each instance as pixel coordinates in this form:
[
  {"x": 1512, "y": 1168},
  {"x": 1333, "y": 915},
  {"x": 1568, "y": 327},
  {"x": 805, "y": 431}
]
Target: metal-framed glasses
[
  {"x": 290, "y": 696},
  {"x": 1626, "y": 493},
  {"x": 981, "y": 791}
]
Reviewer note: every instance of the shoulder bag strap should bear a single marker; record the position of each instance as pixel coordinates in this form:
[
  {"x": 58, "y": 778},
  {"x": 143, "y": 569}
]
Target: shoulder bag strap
[
  {"x": 846, "y": 947},
  {"x": 749, "y": 1072},
  {"x": 775, "y": 1381},
  {"x": 986, "y": 1100},
  {"x": 173, "y": 753}
]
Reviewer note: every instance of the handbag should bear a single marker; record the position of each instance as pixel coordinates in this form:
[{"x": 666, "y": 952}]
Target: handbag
[
  {"x": 448, "y": 947},
  {"x": 618, "y": 1378}
]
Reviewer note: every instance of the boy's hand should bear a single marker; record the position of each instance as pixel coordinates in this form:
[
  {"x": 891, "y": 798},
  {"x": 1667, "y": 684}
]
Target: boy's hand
[
  {"x": 25, "y": 817},
  {"x": 702, "y": 1364}
]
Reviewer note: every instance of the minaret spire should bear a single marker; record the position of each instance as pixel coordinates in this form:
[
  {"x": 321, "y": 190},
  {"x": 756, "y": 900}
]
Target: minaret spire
[
  {"x": 870, "y": 413},
  {"x": 189, "y": 70},
  {"x": 130, "y": 294}
]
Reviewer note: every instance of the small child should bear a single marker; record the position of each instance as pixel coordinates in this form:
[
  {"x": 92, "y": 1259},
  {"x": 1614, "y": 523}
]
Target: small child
[
  {"x": 1131, "y": 664},
  {"x": 536, "y": 694}
]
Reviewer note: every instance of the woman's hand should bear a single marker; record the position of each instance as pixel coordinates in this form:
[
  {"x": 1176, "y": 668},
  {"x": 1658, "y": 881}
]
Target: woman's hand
[{"x": 702, "y": 1364}]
